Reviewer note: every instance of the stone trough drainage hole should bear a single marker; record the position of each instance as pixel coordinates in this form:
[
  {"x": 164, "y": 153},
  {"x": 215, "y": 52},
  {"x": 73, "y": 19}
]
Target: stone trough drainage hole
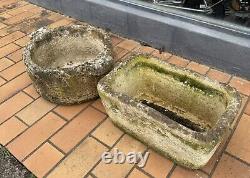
[{"x": 174, "y": 116}]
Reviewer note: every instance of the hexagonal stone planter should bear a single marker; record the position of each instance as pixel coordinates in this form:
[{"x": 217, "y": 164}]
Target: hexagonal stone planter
[
  {"x": 66, "y": 63},
  {"x": 181, "y": 114}
]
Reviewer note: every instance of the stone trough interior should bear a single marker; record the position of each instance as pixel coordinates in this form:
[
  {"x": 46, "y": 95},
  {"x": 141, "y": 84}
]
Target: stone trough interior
[
  {"x": 61, "y": 50},
  {"x": 182, "y": 98}
]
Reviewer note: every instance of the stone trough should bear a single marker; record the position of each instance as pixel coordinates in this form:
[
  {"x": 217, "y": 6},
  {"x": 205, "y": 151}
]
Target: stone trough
[
  {"x": 180, "y": 114},
  {"x": 66, "y": 63}
]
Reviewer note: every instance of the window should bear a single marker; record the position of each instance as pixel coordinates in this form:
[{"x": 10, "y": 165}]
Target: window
[{"x": 233, "y": 14}]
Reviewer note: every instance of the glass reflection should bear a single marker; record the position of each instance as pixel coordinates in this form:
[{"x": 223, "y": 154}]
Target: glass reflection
[{"x": 237, "y": 11}]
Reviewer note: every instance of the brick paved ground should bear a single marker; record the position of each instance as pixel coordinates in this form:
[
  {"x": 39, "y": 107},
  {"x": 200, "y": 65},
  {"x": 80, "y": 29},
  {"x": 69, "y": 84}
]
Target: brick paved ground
[{"x": 67, "y": 141}]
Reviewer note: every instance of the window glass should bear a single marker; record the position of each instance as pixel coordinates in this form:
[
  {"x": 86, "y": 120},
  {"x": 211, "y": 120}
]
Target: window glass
[{"x": 232, "y": 14}]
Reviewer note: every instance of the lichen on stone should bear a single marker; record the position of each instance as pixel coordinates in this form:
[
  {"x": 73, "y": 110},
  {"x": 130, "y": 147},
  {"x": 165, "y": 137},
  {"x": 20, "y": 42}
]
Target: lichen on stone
[
  {"x": 66, "y": 63},
  {"x": 194, "y": 99}
]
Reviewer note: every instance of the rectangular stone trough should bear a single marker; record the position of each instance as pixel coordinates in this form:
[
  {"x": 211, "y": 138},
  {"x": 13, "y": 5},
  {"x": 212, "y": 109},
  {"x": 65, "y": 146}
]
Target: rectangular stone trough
[{"x": 180, "y": 114}]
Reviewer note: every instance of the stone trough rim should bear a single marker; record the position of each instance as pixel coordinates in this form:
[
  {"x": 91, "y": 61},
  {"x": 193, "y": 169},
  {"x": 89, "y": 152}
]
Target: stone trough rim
[
  {"x": 212, "y": 135},
  {"x": 39, "y": 35}
]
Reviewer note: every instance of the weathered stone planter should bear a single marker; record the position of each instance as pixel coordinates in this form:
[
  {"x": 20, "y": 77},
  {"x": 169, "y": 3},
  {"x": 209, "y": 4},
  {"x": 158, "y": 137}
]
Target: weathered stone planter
[
  {"x": 66, "y": 63},
  {"x": 181, "y": 114}
]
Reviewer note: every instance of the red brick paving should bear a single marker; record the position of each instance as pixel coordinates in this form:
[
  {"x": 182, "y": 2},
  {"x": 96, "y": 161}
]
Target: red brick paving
[
  {"x": 67, "y": 141},
  {"x": 218, "y": 75}
]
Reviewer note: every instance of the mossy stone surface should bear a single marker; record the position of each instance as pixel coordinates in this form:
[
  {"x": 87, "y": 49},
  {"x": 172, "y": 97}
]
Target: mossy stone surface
[
  {"x": 209, "y": 106},
  {"x": 66, "y": 63}
]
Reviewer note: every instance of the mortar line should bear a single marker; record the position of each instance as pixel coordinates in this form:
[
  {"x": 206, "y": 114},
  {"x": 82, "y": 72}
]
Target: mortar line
[
  {"x": 19, "y": 39},
  {"x": 33, "y": 102},
  {"x": 171, "y": 171},
  {"x": 31, "y": 153},
  {"x": 2, "y": 84},
  {"x": 7, "y": 11},
  {"x": 204, "y": 75},
  {"x": 161, "y": 58},
  {"x": 92, "y": 136},
  {"x": 57, "y": 12},
  {"x": 209, "y": 67},
  {"x": 237, "y": 158},
  {"x": 4, "y": 80},
  {"x": 135, "y": 165},
  {"x": 48, "y": 139},
  {"x": 14, "y": 40},
  {"x": 130, "y": 171},
  {"x": 141, "y": 169},
  {"x": 18, "y": 110},
  {"x": 5, "y": 28},
  {"x": 11, "y": 26},
  {"x": 28, "y": 93},
  {"x": 231, "y": 77},
  {"x": 5, "y": 19},
  {"x": 40, "y": 144},
  {"x": 126, "y": 55},
  {"x": 56, "y": 147},
  {"x": 15, "y": 15},
  {"x": 145, "y": 172},
  {"x": 4, "y": 70},
  {"x": 204, "y": 172},
  {"x": 32, "y": 123},
  {"x": 14, "y": 93},
  {"x": 167, "y": 59},
  {"x": 27, "y": 35},
  {"x": 34, "y": 14},
  {"x": 16, "y": 75},
  {"x": 3, "y": 77},
  {"x": 245, "y": 96},
  {"x": 28, "y": 86},
  {"x": 23, "y": 20},
  {"x": 92, "y": 175},
  {"x": 98, "y": 109},
  {"x": 14, "y": 62},
  {"x": 95, "y": 165},
  {"x": 229, "y": 138},
  {"x": 62, "y": 117},
  {"x": 21, "y": 120},
  {"x": 148, "y": 53},
  {"x": 130, "y": 50},
  {"x": 17, "y": 136},
  {"x": 79, "y": 143},
  {"x": 112, "y": 34},
  {"x": 82, "y": 110},
  {"x": 121, "y": 58},
  {"x": 220, "y": 155}
]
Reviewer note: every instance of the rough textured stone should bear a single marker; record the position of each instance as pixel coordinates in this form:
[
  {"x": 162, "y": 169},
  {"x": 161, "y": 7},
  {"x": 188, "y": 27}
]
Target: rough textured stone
[
  {"x": 179, "y": 113},
  {"x": 66, "y": 63}
]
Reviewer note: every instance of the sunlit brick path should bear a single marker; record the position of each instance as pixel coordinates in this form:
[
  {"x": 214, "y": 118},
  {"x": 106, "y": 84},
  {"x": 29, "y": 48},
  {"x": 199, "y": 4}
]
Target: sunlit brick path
[{"x": 67, "y": 141}]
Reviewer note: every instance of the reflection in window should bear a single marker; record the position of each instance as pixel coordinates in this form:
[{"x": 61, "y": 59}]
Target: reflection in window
[{"x": 237, "y": 11}]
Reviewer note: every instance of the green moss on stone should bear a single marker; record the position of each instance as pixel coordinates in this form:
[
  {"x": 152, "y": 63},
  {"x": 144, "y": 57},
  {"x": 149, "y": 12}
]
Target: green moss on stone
[{"x": 177, "y": 76}]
